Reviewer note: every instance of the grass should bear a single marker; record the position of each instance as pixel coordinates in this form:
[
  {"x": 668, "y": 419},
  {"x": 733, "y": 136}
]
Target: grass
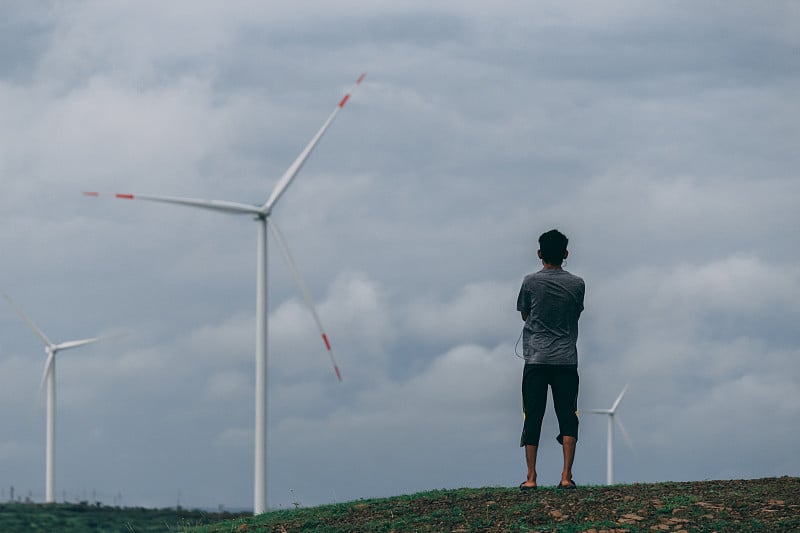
[
  {"x": 83, "y": 518},
  {"x": 768, "y": 505}
]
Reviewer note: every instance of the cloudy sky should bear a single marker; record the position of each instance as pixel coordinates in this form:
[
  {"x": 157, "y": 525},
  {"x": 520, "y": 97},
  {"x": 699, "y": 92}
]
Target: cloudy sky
[{"x": 661, "y": 137}]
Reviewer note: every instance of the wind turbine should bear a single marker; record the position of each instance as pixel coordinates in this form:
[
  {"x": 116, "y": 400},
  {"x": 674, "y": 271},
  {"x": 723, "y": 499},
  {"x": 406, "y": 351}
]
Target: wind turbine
[
  {"x": 49, "y": 380},
  {"x": 261, "y": 214},
  {"x": 611, "y": 418}
]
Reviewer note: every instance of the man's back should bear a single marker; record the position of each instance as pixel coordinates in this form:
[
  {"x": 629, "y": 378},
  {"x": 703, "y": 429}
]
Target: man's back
[{"x": 552, "y": 299}]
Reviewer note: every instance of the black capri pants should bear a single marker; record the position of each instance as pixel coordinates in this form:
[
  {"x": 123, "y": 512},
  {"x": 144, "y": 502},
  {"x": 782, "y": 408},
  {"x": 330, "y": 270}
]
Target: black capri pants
[{"x": 563, "y": 381}]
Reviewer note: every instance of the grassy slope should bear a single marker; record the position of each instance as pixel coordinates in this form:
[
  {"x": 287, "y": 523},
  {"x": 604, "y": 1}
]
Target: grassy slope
[{"x": 770, "y": 504}]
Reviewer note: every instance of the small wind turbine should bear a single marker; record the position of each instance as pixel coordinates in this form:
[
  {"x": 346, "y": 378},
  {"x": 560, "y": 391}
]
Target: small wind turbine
[
  {"x": 611, "y": 418},
  {"x": 49, "y": 380},
  {"x": 261, "y": 214}
]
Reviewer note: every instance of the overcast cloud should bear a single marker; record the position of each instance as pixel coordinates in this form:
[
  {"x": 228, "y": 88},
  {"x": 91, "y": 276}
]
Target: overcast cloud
[{"x": 661, "y": 137}]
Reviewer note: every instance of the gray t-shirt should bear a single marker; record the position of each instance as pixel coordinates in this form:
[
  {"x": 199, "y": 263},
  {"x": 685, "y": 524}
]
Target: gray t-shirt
[{"x": 553, "y": 300}]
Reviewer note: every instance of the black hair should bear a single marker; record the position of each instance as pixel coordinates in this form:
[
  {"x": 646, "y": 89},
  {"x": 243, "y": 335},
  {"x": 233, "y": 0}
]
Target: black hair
[{"x": 553, "y": 245}]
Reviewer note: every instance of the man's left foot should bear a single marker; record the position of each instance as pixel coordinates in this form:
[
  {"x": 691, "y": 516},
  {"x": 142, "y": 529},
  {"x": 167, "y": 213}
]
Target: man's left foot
[
  {"x": 524, "y": 487},
  {"x": 568, "y": 485}
]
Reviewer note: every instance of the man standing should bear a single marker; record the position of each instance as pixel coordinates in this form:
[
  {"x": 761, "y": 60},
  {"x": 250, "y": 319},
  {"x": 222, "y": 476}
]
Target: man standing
[{"x": 551, "y": 301}]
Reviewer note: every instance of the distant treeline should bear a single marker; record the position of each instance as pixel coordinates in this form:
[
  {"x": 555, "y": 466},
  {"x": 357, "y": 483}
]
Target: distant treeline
[{"x": 21, "y": 517}]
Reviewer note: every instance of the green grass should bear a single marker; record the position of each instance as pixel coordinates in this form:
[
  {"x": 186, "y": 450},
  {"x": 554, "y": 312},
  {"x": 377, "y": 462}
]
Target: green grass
[
  {"x": 676, "y": 502},
  {"x": 71, "y": 518},
  {"x": 771, "y": 504},
  {"x": 768, "y": 505}
]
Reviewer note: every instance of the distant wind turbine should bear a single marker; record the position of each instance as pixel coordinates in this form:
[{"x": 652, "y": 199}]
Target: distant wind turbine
[
  {"x": 261, "y": 214},
  {"x": 49, "y": 380},
  {"x": 611, "y": 418}
]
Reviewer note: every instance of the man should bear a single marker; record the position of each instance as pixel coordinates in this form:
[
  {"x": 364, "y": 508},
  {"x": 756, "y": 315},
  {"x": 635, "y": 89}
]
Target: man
[{"x": 550, "y": 301}]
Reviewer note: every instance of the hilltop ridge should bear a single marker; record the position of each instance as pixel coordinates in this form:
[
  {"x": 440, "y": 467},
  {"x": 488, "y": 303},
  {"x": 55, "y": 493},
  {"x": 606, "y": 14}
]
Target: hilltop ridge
[{"x": 768, "y": 504}]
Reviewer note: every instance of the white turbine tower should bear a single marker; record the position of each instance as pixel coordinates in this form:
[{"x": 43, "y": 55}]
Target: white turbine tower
[
  {"x": 611, "y": 418},
  {"x": 49, "y": 381},
  {"x": 261, "y": 214}
]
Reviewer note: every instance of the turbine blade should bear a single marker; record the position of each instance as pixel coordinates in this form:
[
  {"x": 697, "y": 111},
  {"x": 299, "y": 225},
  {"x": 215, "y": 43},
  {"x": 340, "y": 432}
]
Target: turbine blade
[
  {"x": 304, "y": 290},
  {"x": 619, "y": 398},
  {"x": 294, "y": 168},
  {"x": 74, "y": 344},
  {"x": 48, "y": 365},
  {"x": 596, "y": 411},
  {"x": 625, "y": 435},
  {"x": 213, "y": 205},
  {"x": 39, "y": 333}
]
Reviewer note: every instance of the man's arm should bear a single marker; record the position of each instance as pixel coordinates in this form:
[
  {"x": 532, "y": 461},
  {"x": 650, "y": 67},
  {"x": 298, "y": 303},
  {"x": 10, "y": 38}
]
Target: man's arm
[{"x": 523, "y": 305}]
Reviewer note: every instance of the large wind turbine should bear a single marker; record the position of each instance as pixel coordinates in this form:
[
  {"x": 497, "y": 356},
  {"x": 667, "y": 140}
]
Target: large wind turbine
[
  {"x": 611, "y": 418},
  {"x": 49, "y": 380},
  {"x": 261, "y": 214}
]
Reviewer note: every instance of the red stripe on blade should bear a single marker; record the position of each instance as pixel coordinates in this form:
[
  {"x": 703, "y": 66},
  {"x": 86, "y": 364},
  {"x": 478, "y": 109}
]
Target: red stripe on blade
[
  {"x": 338, "y": 374},
  {"x": 327, "y": 344},
  {"x": 124, "y": 196},
  {"x": 361, "y": 78},
  {"x": 91, "y": 194},
  {"x": 344, "y": 100}
]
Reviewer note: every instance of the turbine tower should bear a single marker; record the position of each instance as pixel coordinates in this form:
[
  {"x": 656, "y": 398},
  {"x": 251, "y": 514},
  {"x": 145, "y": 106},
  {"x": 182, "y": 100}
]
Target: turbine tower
[
  {"x": 49, "y": 381},
  {"x": 261, "y": 214},
  {"x": 610, "y": 447}
]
